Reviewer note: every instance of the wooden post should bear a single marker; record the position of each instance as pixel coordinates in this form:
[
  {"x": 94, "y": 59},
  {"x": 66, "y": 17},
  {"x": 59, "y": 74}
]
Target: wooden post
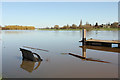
[
  {"x": 84, "y": 52},
  {"x": 118, "y": 45},
  {"x": 84, "y": 36}
]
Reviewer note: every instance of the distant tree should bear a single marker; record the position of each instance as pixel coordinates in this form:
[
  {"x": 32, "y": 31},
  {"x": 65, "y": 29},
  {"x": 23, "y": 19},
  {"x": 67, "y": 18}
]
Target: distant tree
[
  {"x": 56, "y": 27},
  {"x": 0, "y": 26},
  {"x": 90, "y": 24},
  {"x": 74, "y": 26},
  {"x": 87, "y": 26},
  {"x": 119, "y": 25},
  {"x": 66, "y": 27},
  {"x": 96, "y": 24},
  {"x": 101, "y": 25},
  {"x": 114, "y": 25},
  {"x": 52, "y": 28},
  {"x": 108, "y": 24},
  {"x": 47, "y": 27},
  {"x": 61, "y": 28}
]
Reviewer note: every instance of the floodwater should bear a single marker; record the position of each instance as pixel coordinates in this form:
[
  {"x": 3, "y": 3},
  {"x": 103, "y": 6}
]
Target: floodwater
[{"x": 56, "y": 62}]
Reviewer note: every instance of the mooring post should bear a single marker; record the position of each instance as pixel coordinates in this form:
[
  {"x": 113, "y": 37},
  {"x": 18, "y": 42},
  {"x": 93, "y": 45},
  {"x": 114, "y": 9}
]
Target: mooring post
[
  {"x": 84, "y": 52},
  {"x": 84, "y": 36},
  {"x": 118, "y": 45}
]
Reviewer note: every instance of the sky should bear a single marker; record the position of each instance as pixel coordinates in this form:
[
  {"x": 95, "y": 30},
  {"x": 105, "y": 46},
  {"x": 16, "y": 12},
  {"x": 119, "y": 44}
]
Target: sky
[
  {"x": 48, "y": 14},
  {"x": 119, "y": 12},
  {"x": 60, "y": 0}
]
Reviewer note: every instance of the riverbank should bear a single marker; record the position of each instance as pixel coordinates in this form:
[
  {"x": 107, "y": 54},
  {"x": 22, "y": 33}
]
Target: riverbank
[
  {"x": 96, "y": 29},
  {"x": 107, "y": 29},
  {"x": 90, "y": 29}
]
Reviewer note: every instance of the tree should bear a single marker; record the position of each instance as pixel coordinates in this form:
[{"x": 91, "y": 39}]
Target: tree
[
  {"x": 108, "y": 24},
  {"x": 114, "y": 25},
  {"x": 52, "y": 28},
  {"x": 68, "y": 26},
  {"x": 74, "y": 26},
  {"x": 56, "y": 27},
  {"x": 0, "y": 28},
  {"x": 47, "y": 28},
  {"x": 87, "y": 25},
  {"x": 119, "y": 25},
  {"x": 96, "y": 24},
  {"x": 64, "y": 27}
]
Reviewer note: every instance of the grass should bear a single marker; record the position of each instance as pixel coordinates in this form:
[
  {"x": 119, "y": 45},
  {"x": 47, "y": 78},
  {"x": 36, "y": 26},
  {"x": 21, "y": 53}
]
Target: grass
[
  {"x": 100, "y": 29},
  {"x": 61, "y": 29},
  {"x": 107, "y": 29}
]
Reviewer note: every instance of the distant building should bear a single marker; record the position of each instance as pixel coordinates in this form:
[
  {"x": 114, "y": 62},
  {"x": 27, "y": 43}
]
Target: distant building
[{"x": 80, "y": 26}]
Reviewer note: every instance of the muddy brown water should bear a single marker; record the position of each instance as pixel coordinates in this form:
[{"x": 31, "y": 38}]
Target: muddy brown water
[{"x": 56, "y": 62}]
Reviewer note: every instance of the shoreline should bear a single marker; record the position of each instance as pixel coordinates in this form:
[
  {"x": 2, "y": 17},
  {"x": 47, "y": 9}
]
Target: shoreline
[
  {"x": 91, "y": 29},
  {"x": 97, "y": 29}
]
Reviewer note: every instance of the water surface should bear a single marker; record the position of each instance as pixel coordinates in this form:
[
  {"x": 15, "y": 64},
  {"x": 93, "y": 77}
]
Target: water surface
[{"x": 57, "y": 64}]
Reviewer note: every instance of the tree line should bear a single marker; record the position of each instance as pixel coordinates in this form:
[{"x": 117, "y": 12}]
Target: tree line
[
  {"x": 86, "y": 26},
  {"x": 16, "y": 27}
]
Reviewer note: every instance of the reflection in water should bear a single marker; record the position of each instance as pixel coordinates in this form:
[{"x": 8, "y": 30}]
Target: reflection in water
[
  {"x": 17, "y": 31},
  {"x": 84, "y": 52},
  {"x": 36, "y": 48},
  {"x": 83, "y": 57},
  {"x": 29, "y": 65},
  {"x": 108, "y": 49}
]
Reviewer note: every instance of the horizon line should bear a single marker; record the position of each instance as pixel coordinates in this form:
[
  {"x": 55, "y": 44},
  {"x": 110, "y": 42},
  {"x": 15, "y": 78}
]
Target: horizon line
[{"x": 57, "y": 24}]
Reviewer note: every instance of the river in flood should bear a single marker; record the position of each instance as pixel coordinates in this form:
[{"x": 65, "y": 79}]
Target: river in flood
[{"x": 56, "y": 62}]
